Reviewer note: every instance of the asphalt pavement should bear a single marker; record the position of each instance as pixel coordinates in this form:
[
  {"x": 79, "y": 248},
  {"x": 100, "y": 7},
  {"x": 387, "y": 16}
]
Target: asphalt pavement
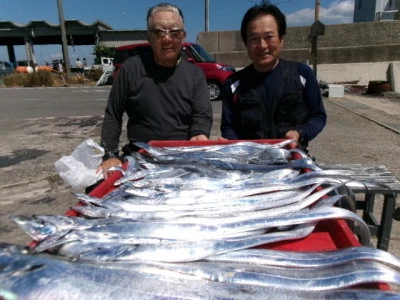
[
  {"x": 361, "y": 129},
  {"x": 383, "y": 110}
]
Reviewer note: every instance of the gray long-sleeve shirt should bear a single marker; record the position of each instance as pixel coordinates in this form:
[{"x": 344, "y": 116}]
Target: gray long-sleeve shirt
[{"x": 161, "y": 103}]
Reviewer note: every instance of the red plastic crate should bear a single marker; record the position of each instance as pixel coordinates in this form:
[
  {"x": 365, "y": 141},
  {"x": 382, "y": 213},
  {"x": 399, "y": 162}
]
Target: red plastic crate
[{"x": 208, "y": 142}]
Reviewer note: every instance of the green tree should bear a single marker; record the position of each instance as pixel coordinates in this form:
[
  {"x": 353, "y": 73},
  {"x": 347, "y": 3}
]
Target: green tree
[{"x": 102, "y": 51}]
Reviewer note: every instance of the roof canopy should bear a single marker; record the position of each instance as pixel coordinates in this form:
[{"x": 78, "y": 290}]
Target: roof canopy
[
  {"x": 45, "y": 33},
  {"x": 117, "y": 38}
]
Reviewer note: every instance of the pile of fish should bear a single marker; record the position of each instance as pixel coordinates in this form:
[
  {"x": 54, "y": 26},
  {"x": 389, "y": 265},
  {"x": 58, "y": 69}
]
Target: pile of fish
[{"x": 183, "y": 223}]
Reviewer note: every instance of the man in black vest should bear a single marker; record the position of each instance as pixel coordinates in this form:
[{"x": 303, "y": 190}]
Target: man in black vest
[{"x": 272, "y": 98}]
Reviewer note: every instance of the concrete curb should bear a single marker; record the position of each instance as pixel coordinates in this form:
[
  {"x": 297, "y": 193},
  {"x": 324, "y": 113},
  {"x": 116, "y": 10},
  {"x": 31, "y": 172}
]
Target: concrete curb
[{"x": 378, "y": 116}]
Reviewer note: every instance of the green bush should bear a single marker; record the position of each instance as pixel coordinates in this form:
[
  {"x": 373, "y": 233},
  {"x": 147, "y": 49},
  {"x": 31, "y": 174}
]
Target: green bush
[
  {"x": 39, "y": 78},
  {"x": 94, "y": 74},
  {"x": 46, "y": 78},
  {"x": 14, "y": 80},
  {"x": 77, "y": 79}
]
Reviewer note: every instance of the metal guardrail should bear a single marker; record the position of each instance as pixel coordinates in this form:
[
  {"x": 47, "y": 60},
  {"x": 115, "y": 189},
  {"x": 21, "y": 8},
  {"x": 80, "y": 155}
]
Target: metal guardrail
[{"x": 388, "y": 15}]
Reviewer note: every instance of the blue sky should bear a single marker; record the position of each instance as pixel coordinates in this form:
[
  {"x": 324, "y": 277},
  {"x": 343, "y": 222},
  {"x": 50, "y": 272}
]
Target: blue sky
[{"x": 131, "y": 14}]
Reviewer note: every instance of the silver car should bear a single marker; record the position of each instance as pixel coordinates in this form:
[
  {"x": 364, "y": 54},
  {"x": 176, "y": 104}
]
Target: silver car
[{"x": 5, "y": 68}]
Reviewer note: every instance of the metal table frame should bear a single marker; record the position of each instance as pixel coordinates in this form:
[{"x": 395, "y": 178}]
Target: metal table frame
[
  {"x": 377, "y": 180},
  {"x": 381, "y": 229}
]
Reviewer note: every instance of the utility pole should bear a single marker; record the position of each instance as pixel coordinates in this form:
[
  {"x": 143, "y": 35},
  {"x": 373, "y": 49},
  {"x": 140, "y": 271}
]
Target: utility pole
[
  {"x": 64, "y": 40},
  {"x": 317, "y": 8},
  {"x": 207, "y": 6},
  {"x": 317, "y": 31}
]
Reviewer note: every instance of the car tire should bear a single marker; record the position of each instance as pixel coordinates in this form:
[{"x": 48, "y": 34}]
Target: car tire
[{"x": 214, "y": 90}]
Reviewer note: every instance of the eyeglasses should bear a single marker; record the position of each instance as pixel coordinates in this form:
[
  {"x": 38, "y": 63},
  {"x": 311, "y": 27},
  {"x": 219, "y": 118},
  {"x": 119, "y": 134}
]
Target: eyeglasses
[{"x": 173, "y": 33}]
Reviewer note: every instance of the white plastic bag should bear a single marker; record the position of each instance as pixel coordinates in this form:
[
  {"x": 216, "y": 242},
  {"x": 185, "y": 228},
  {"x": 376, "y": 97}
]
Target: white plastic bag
[{"x": 79, "y": 169}]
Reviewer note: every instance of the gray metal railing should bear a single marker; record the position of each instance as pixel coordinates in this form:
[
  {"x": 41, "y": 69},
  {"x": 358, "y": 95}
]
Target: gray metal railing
[{"x": 388, "y": 15}]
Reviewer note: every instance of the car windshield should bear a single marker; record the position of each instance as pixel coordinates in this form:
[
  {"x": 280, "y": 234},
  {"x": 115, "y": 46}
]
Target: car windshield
[{"x": 201, "y": 54}]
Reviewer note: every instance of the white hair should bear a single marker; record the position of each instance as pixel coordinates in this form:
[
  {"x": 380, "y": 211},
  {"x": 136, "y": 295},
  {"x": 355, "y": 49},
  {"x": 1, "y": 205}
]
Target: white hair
[{"x": 163, "y": 7}]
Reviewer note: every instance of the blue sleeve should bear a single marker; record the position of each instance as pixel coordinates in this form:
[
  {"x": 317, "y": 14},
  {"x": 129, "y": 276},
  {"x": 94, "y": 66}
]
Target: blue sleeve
[
  {"x": 228, "y": 112},
  {"x": 313, "y": 100}
]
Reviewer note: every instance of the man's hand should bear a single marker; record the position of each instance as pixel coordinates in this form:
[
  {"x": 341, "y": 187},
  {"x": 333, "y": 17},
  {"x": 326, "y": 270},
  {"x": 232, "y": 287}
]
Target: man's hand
[
  {"x": 292, "y": 135},
  {"x": 200, "y": 137},
  {"x": 107, "y": 164}
]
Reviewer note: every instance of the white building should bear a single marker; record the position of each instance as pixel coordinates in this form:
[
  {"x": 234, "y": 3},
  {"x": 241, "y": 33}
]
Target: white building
[{"x": 376, "y": 10}]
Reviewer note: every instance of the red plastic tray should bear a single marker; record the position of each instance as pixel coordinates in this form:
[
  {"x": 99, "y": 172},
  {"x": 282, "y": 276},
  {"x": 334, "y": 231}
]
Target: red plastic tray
[
  {"x": 327, "y": 236},
  {"x": 208, "y": 143}
]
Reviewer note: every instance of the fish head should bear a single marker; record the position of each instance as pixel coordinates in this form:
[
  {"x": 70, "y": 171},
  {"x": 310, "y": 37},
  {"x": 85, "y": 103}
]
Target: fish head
[{"x": 35, "y": 228}]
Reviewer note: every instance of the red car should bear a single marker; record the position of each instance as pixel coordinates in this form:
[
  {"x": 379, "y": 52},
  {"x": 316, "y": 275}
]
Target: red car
[{"x": 215, "y": 73}]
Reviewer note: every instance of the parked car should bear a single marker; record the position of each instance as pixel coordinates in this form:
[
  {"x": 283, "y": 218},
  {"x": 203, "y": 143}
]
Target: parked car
[
  {"x": 215, "y": 73},
  {"x": 5, "y": 69},
  {"x": 24, "y": 63}
]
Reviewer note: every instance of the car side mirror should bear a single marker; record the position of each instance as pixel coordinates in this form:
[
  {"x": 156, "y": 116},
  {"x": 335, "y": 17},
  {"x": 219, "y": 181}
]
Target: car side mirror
[{"x": 190, "y": 59}]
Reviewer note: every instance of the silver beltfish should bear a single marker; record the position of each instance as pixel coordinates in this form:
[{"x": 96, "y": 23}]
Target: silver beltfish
[{"x": 46, "y": 277}]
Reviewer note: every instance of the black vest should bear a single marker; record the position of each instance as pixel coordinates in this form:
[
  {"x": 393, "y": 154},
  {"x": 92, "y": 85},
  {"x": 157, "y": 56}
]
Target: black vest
[{"x": 268, "y": 112}]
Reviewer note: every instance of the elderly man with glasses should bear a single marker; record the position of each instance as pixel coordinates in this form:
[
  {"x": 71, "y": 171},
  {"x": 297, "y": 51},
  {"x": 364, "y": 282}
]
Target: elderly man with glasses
[{"x": 164, "y": 96}]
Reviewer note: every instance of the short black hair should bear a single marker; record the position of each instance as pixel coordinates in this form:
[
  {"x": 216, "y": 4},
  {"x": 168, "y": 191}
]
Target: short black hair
[{"x": 263, "y": 8}]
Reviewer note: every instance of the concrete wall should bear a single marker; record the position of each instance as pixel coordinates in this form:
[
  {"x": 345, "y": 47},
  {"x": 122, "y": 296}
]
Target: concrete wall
[
  {"x": 394, "y": 75},
  {"x": 360, "y": 72},
  {"x": 342, "y": 43},
  {"x": 347, "y": 52}
]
